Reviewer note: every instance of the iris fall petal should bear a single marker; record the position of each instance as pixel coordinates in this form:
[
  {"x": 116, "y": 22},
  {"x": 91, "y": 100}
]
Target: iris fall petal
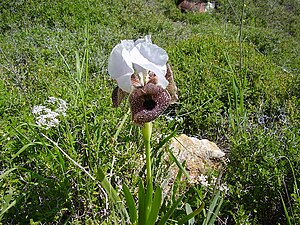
[{"x": 148, "y": 102}]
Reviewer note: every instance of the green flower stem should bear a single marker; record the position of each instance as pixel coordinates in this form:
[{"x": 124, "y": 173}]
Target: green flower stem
[{"x": 147, "y": 131}]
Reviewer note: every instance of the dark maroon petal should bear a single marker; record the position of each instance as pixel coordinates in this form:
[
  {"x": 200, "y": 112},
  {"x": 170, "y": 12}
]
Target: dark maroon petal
[
  {"x": 117, "y": 96},
  {"x": 148, "y": 102}
]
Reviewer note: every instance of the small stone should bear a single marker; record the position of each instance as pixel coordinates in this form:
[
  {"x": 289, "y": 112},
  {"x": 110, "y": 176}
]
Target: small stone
[{"x": 200, "y": 155}]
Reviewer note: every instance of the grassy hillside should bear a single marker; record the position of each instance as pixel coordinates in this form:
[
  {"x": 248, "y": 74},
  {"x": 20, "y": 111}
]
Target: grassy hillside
[{"x": 237, "y": 71}]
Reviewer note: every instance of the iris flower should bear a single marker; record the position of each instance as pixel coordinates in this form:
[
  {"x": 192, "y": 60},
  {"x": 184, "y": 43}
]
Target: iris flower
[{"x": 141, "y": 70}]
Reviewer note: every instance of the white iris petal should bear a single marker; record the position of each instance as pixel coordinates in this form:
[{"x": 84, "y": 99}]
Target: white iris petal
[
  {"x": 128, "y": 44},
  {"x": 124, "y": 82},
  {"x": 146, "y": 39},
  {"x": 120, "y": 66},
  {"x": 119, "y": 63},
  {"x": 152, "y": 58}
]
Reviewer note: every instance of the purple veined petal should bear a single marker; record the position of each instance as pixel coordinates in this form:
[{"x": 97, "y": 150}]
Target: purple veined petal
[{"x": 148, "y": 102}]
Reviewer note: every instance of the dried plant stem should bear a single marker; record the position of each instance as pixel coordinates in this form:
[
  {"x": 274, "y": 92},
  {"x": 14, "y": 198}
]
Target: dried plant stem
[{"x": 105, "y": 184}]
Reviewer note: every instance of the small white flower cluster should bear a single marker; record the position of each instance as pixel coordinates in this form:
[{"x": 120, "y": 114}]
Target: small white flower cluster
[
  {"x": 203, "y": 179},
  {"x": 48, "y": 117},
  {"x": 60, "y": 103}
]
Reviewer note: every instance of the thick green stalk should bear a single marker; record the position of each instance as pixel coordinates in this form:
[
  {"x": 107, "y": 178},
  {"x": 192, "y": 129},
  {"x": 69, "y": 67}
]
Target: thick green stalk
[{"x": 147, "y": 131}]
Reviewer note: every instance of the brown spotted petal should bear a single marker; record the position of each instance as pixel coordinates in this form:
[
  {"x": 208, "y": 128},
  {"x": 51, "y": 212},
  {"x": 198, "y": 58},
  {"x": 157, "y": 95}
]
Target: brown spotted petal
[
  {"x": 148, "y": 102},
  {"x": 117, "y": 96},
  {"x": 171, "y": 88}
]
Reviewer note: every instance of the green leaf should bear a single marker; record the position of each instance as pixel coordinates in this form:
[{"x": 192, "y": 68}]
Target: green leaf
[
  {"x": 191, "y": 215},
  {"x": 8, "y": 203},
  {"x": 130, "y": 203},
  {"x": 211, "y": 208},
  {"x": 177, "y": 181},
  {"x": 111, "y": 192},
  {"x": 155, "y": 207},
  {"x": 164, "y": 141},
  {"x": 214, "y": 216},
  {"x": 285, "y": 211},
  {"x": 142, "y": 205},
  {"x": 121, "y": 125},
  {"x": 188, "y": 210},
  {"x": 148, "y": 203},
  {"x": 27, "y": 146},
  {"x": 170, "y": 211}
]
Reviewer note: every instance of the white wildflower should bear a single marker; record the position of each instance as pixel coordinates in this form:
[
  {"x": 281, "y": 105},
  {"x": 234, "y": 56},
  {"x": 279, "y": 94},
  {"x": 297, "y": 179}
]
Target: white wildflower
[
  {"x": 62, "y": 107},
  {"x": 203, "y": 180},
  {"x": 224, "y": 187},
  {"x": 52, "y": 100},
  {"x": 48, "y": 117},
  {"x": 214, "y": 180},
  {"x": 60, "y": 104},
  {"x": 38, "y": 109}
]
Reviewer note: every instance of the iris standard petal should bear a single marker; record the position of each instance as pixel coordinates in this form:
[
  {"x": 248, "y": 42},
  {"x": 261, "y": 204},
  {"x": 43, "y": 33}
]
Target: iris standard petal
[
  {"x": 148, "y": 102},
  {"x": 152, "y": 58},
  {"x": 153, "y": 53},
  {"x": 127, "y": 44},
  {"x": 146, "y": 39},
  {"x": 119, "y": 62},
  {"x": 120, "y": 66}
]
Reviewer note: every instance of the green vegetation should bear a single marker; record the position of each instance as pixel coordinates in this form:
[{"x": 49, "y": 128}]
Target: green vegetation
[{"x": 237, "y": 70}]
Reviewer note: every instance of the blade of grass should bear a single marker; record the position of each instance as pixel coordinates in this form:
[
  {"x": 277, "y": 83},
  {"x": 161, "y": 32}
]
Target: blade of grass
[
  {"x": 111, "y": 192},
  {"x": 27, "y": 146},
  {"x": 211, "y": 208},
  {"x": 177, "y": 181},
  {"x": 214, "y": 216},
  {"x": 170, "y": 211},
  {"x": 179, "y": 164},
  {"x": 121, "y": 125},
  {"x": 188, "y": 210},
  {"x": 191, "y": 215},
  {"x": 164, "y": 141},
  {"x": 285, "y": 211}
]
